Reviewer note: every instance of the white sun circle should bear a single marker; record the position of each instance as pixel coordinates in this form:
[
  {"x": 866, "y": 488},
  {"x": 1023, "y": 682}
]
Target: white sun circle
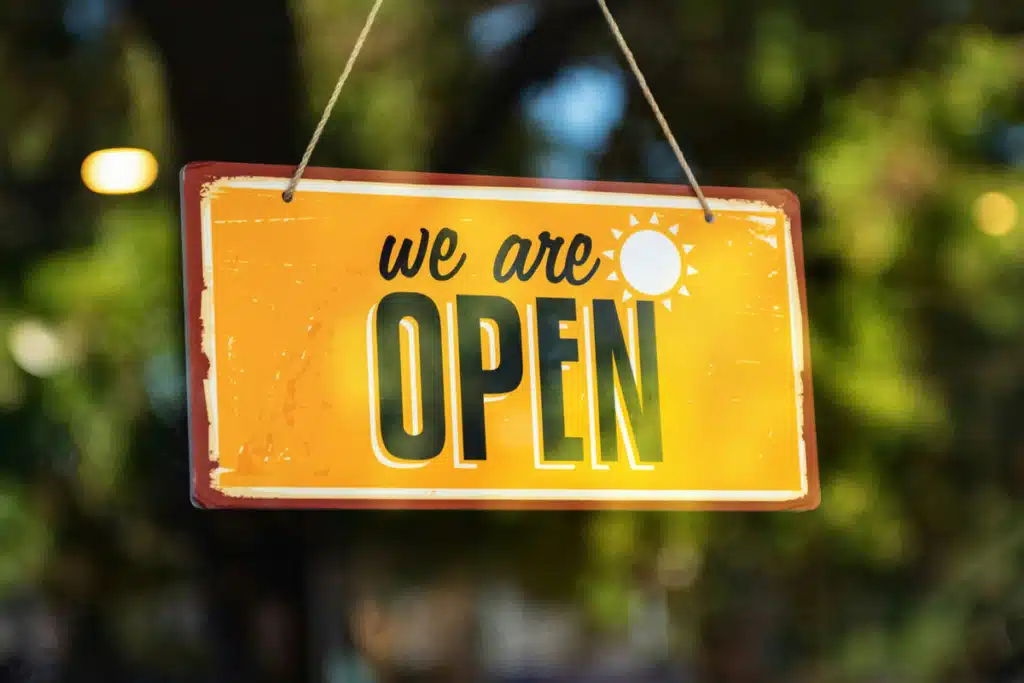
[{"x": 650, "y": 262}]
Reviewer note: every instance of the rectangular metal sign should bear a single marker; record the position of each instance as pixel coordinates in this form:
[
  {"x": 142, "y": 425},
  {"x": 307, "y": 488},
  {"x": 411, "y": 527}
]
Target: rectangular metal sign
[{"x": 405, "y": 340}]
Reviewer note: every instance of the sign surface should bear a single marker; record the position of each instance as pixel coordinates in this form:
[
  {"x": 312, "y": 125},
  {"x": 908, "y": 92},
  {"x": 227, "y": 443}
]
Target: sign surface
[{"x": 404, "y": 340}]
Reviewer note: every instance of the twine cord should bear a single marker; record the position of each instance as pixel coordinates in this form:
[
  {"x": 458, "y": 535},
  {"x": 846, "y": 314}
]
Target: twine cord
[
  {"x": 289, "y": 192},
  {"x": 666, "y": 129}
]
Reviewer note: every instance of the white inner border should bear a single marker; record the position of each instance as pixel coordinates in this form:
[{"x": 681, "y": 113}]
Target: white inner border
[{"x": 517, "y": 194}]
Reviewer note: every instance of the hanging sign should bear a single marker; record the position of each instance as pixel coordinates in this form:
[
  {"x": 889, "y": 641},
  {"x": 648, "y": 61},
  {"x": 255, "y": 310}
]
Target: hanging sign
[{"x": 409, "y": 341}]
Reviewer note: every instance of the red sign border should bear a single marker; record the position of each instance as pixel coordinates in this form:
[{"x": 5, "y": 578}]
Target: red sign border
[{"x": 197, "y": 174}]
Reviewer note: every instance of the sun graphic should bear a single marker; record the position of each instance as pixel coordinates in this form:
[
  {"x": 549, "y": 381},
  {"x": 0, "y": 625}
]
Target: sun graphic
[{"x": 650, "y": 263}]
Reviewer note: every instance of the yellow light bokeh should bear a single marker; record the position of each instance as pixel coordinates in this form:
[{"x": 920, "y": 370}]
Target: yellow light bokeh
[
  {"x": 119, "y": 171},
  {"x": 37, "y": 348},
  {"x": 995, "y": 213}
]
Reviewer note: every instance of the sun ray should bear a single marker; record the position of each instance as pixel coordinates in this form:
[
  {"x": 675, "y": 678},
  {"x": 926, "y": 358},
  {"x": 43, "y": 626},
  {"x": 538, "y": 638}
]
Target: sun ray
[{"x": 649, "y": 262}]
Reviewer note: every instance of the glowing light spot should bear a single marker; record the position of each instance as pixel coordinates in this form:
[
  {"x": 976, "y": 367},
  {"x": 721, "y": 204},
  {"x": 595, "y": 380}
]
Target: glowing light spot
[
  {"x": 995, "y": 213},
  {"x": 37, "y": 349},
  {"x": 119, "y": 171}
]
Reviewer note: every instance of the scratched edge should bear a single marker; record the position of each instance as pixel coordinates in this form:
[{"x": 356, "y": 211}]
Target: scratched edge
[
  {"x": 811, "y": 499},
  {"x": 208, "y": 191},
  {"x": 213, "y": 188},
  {"x": 796, "y": 326}
]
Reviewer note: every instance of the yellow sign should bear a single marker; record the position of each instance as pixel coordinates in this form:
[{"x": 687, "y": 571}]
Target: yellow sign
[{"x": 396, "y": 340}]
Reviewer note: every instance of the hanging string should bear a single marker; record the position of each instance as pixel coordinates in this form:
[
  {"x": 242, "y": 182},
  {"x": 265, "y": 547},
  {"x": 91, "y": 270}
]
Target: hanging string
[
  {"x": 666, "y": 129},
  {"x": 289, "y": 192}
]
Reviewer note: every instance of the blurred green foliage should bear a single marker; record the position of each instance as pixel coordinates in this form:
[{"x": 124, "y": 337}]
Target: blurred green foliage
[{"x": 889, "y": 128}]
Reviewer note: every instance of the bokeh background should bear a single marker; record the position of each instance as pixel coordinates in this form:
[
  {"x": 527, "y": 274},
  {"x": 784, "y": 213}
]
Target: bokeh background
[{"x": 900, "y": 123}]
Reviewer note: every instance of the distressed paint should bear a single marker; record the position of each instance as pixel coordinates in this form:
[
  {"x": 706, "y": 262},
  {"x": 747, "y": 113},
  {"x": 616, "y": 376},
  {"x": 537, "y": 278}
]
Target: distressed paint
[{"x": 281, "y": 298}]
